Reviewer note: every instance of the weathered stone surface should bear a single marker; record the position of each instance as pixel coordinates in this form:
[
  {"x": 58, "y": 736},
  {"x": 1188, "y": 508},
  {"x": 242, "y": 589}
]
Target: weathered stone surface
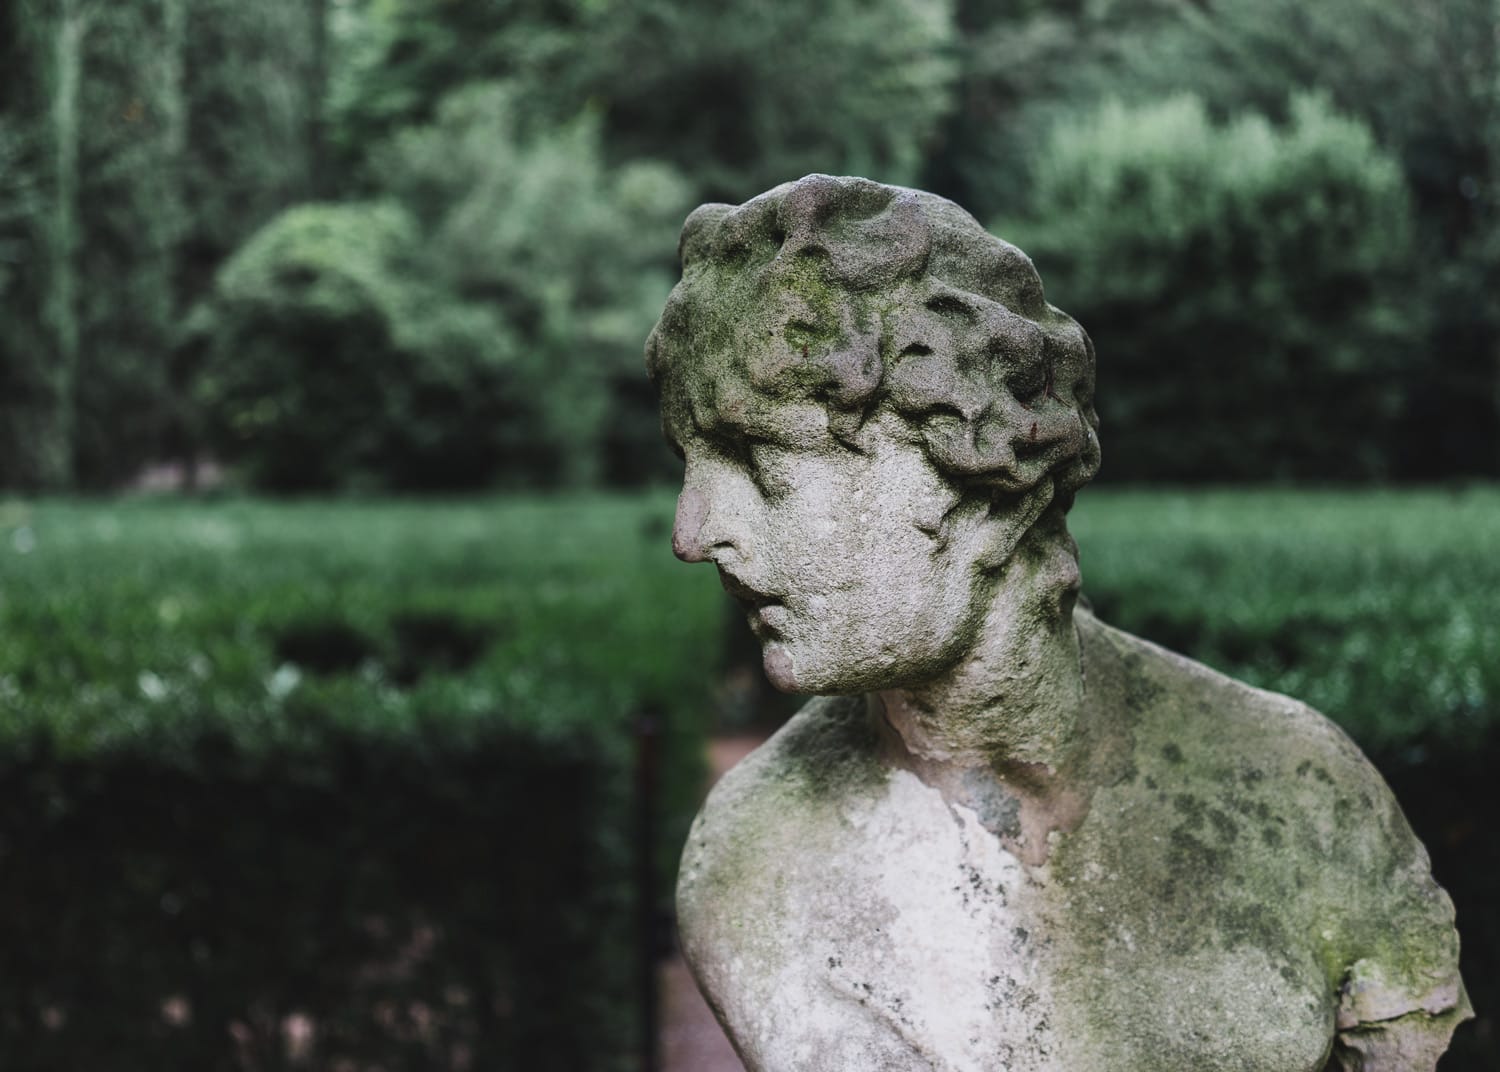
[{"x": 1007, "y": 836}]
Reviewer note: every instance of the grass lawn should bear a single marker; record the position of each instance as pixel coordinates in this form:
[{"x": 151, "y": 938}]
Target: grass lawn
[
  {"x": 134, "y": 609},
  {"x": 1381, "y": 608}
]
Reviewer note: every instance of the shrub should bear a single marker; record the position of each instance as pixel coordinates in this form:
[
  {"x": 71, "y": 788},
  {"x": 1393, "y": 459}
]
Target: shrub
[
  {"x": 1423, "y": 77},
  {"x": 1244, "y": 285},
  {"x": 574, "y": 258},
  {"x": 332, "y": 364},
  {"x": 484, "y": 326},
  {"x": 431, "y": 896},
  {"x": 364, "y": 766}
]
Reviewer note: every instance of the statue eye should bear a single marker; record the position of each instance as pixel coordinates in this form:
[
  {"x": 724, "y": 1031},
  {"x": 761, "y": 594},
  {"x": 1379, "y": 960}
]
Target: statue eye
[
  {"x": 768, "y": 468},
  {"x": 1027, "y": 384}
]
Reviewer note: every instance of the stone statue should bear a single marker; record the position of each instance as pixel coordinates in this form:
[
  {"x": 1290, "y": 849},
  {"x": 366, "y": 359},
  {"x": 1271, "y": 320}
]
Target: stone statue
[{"x": 1005, "y": 836}]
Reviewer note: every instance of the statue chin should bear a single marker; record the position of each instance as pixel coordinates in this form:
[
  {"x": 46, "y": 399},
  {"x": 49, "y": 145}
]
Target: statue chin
[{"x": 779, "y": 668}]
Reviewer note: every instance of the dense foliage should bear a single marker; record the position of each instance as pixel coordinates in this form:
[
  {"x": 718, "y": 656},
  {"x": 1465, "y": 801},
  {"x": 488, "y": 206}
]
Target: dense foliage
[
  {"x": 312, "y": 374},
  {"x": 1378, "y": 608},
  {"x": 1425, "y": 77},
  {"x": 479, "y": 324},
  {"x": 569, "y": 258},
  {"x": 1208, "y": 262},
  {"x": 136, "y": 180},
  {"x": 440, "y": 896},
  {"x": 851, "y": 86},
  {"x": 547, "y": 147},
  {"x": 739, "y": 95},
  {"x": 366, "y": 767}
]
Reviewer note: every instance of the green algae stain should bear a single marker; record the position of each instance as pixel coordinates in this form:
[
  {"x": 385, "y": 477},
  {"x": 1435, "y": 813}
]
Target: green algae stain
[{"x": 830, "y": 751}]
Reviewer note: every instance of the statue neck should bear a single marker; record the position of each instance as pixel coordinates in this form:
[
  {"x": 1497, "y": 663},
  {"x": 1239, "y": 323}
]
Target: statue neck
[{"x": 1014, "y": 702}]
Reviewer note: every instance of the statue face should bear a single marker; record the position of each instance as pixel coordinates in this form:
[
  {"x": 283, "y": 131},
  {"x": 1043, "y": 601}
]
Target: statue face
[
  {"x": 837, "y": 359},
  {"x": 857, "y": 570}
]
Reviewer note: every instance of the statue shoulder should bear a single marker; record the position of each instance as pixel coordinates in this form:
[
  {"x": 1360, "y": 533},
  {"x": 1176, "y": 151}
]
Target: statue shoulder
[
  {"x": 1199, "y": 730},
  {"x": 1291, "y": 794},
  {"x": 825, "y": 750},
  {"x": 1191, "y": 718},
  {"x": 761, "y": 838},
  {"x": 793, "y": 783}
]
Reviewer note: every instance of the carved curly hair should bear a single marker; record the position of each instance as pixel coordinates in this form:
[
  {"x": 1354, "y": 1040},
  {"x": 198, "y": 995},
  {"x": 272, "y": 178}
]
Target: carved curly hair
[{"x": 856, "y": 295}]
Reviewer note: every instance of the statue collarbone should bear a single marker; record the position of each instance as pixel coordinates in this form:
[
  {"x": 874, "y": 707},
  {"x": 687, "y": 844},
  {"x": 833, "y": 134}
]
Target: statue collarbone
[{"x": 1011, "y": 837}]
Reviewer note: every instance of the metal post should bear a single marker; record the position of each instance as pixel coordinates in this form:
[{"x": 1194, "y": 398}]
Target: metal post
[{"x": 647, "y": 789}]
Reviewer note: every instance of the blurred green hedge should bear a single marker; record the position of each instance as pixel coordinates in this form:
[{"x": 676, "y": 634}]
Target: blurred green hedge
[
  {"x": 408, "y": 900},
  {"x": 1249, "y": 288},
  {"x": 360, "y": 768},
  {"x": 1379, "y": 608},
  {"x": 256, "y": 754},
  {"x": 481, "y": 324}
]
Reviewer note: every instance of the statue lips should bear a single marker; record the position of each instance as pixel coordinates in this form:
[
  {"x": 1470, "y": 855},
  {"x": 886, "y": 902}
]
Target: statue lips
[{"x": 762, "y": 609}]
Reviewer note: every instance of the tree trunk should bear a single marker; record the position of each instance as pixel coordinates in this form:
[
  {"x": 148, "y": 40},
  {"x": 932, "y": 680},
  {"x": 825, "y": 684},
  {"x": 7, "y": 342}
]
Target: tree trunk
[
  {"x": 1492, "y": 205},
  {"x": 72, "y": 27},
  {"x": 317, "y": 93},
  {"x": 181, "y": 438}
]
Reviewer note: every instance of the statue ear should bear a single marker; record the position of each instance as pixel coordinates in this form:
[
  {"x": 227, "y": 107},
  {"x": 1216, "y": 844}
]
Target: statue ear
[{"x": 1010, "y": 517}]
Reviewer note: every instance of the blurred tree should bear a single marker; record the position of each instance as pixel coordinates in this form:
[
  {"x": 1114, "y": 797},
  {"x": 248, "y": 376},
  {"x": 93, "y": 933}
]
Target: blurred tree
[
  {"x": 96, "y": 121},
  {"x": 1425, "y": 76},
  {"x": 476, "y": 333},
  {"x": 255, "y": 83},
  {"x": 30, "y": 447},
  {"x": 403, "y": 57},
  {"x": 738, "y": 95},
  {"x": 538, "y": 200},
  {"x": 142, "y": 143},
  {"x": 142, "y": 127},
  {"x": 742, "y": 95},
  {"x": 1021, "y": 62},
  {"x": 1248, "y": 285},
  {"x": 574, "y": 257},
  {"x": 43, "y": 49},
  {"x": 320, "y": 368}
]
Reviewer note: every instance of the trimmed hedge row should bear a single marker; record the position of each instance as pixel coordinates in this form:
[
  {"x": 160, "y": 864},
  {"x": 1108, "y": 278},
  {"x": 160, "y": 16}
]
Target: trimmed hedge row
[
  {"x": 336, "y": 786},
  {"x": 345, "y": 785},
  {"x": 1381, "y": 609},
  {"x": 394, "y": 901}
]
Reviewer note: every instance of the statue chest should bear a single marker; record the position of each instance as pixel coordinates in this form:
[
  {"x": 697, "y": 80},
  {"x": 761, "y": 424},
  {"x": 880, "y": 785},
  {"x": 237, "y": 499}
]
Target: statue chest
[{"x": 917, "y": 942}]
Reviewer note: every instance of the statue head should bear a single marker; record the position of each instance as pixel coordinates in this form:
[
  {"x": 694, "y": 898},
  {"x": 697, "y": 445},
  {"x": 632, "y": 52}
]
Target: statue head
[{"x": 879, "y": 412}]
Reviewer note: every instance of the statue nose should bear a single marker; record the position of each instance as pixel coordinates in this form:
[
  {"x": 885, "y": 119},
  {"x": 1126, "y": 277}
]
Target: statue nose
[{"x": 687, "y": 529}]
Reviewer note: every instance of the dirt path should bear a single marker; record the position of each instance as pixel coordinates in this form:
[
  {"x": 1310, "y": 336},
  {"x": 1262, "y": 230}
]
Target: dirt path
[{"x": 691, "y": 1039}]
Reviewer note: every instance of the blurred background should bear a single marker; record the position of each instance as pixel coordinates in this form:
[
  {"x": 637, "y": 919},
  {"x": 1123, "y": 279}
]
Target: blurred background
[{"x": 352, "y": 707}]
